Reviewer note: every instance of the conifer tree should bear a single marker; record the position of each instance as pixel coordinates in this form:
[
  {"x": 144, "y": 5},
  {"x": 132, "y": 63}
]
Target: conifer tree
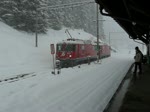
[
  {"x": 36, "y": 15},
  {"x": 24, "y": 14},
  {"x": 6, "y": 11}
]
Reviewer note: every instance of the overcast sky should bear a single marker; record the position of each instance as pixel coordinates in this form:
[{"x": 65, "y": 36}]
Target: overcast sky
[{"x": 118, "y": 35}]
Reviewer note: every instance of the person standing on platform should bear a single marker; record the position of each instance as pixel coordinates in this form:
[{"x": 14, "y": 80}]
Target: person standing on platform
[{"x": 138, "y": 61}]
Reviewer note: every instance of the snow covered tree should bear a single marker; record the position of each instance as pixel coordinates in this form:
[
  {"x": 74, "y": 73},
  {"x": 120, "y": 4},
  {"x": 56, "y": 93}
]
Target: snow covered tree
[
  {"x": 54, "y": 16},
  {"x": 38, "y": 15},
  {"x": 6, "y": 11},
  {"x": 23, "y": 14},
  {"x": 29, "y": 17}
]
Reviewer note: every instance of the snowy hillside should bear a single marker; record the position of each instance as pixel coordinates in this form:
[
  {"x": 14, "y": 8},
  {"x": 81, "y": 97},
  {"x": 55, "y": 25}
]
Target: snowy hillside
[
  {"x": 27, "y": 85},
  {"x": 18, "y": 49}
]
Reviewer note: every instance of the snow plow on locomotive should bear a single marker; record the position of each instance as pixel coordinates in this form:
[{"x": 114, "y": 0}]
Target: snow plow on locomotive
[{"x": 72, "y": 52}]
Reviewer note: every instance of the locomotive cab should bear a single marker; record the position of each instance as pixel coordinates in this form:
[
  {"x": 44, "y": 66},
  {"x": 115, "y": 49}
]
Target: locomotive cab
[
  {"x": 72, "y": 51},
  {"x": 66, "y": 53}
]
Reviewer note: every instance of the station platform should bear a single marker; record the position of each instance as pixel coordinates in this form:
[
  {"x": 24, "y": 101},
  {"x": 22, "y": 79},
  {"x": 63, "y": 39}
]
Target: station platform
[{"x": 137, "y": 96}]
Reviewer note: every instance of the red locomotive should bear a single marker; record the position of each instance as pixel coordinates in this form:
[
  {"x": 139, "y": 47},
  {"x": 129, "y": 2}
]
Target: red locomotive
[{"x": 72, "y": 51}]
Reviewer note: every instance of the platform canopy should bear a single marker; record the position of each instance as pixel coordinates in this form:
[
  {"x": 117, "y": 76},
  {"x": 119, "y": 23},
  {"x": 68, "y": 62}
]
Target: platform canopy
[{"x": 132, "y": 15}]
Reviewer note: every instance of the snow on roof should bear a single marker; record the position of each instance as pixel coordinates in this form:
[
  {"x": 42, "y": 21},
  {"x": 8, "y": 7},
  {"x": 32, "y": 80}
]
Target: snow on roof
[
  {"x": 75, "y": 41},
  {"x": 80, "y": 41}
]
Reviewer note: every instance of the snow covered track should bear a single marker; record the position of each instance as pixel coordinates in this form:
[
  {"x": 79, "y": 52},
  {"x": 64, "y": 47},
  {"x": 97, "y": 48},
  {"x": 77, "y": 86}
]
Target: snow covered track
[
  {"x": 16, "y": 78},
  {"x": 85, "y": 89}
]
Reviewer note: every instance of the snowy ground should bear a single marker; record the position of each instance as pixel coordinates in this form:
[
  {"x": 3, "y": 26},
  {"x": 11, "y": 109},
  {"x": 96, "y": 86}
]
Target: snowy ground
[{"x": 27, "y": 84}]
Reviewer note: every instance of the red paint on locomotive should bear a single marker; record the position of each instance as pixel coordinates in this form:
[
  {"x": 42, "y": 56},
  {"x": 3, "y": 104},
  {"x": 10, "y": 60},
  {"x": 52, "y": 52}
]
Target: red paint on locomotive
[{"x": 78, "y": 51}]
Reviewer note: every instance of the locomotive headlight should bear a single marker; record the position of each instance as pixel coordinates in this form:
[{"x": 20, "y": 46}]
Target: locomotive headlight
[{"x": 70, "y": 56}]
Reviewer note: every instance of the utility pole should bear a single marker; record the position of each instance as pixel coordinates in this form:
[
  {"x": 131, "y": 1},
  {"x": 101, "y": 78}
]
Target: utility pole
[
  {"x": 98, "y": 52},
  {"x": 36, "y": 30}
]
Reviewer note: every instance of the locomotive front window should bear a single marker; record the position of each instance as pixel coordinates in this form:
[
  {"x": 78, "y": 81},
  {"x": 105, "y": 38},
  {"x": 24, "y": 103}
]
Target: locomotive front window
[
  {"x": 70, "y": 47},
  {"x": 66, "y": 47},
  {"x": 59, "y": 47}
]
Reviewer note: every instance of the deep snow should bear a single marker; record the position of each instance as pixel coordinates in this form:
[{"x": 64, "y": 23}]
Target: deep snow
[{"x": 27, "y": 84}]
